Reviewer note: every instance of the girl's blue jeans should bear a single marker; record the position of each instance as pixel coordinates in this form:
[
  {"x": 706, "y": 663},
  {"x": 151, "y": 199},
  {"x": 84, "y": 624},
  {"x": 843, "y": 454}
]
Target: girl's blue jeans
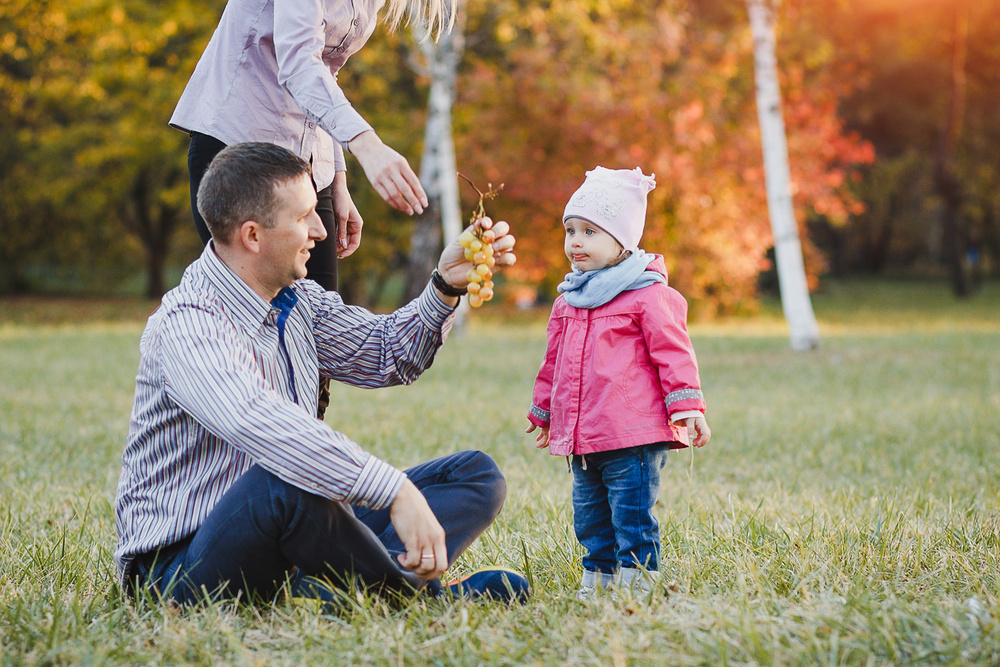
[
  {"x": 265, "y": 531},
  {"x": 613, "y": 498}
]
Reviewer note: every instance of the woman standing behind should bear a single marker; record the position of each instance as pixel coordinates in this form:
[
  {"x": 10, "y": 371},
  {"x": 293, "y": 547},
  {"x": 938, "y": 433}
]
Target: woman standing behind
[{"x": 269, "y": 74}]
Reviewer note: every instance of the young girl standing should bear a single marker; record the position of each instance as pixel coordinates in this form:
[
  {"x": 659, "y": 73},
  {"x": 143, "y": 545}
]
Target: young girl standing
[{"x": 619, "y": 384}]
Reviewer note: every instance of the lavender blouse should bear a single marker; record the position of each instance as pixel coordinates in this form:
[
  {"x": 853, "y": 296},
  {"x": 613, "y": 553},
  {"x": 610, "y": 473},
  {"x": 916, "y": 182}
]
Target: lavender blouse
[{"x": 269, "y": 73}]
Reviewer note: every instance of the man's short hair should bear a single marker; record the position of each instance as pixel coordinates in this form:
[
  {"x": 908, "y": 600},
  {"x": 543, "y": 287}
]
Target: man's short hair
[{"x": 240, "y": 185}]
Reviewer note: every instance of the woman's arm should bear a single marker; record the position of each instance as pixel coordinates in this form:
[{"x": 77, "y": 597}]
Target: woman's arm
[{"x": 299, "y": 44}]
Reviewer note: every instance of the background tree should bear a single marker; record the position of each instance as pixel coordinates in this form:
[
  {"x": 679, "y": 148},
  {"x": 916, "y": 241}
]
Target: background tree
[
  {"x": 559, "y": 89},
  {"x": 902, "y": 58},
  {"x": 442, "y": 220},
  {"x": 93, "y": 185},
  {"x": 96, "y": 81},
  {"x": 30, "y": 222},
  {"x": 795, "y": 299},
  {"x": 949, "y": 188}
]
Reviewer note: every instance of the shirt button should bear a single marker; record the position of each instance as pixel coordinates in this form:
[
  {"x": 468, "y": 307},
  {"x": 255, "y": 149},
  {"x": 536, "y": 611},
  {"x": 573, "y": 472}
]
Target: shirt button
[{"x": 356, "y": 21}]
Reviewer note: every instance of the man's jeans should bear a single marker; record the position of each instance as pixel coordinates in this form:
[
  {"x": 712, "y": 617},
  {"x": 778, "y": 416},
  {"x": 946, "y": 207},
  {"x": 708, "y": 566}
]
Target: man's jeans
[
  {"x": 613, "y": 500},
  {"x": 265, "y": 530}
]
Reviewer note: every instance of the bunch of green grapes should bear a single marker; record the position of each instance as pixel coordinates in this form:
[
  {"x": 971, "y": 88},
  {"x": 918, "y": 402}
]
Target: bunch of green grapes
[{"x": 478, "y": 244}]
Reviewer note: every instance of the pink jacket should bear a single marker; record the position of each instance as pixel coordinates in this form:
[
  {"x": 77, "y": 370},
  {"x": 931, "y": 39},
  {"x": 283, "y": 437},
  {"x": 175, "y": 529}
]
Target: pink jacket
[{"x": 614, "y": 374}]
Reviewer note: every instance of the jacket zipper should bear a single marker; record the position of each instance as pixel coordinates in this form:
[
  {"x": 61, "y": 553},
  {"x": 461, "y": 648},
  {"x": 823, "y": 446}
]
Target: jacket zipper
[{"x": 579, "y": 396}]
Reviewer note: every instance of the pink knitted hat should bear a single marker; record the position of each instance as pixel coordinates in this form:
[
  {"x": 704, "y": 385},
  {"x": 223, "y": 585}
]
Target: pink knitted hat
[{"x": 615, "y": 201}]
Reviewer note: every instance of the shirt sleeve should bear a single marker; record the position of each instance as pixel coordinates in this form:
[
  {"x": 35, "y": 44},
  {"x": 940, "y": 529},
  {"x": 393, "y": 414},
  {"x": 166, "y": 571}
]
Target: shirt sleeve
[
  {"x": 664, "y": 325},
  {"x": 541, "y": 396},
  {"x": 339, "y": 161},
  {"x": 362, "y": 349},
  {"x": 684, "y": 414},
  {"x": 299, "y": 42},
  {"x": 211, "y": 373}
]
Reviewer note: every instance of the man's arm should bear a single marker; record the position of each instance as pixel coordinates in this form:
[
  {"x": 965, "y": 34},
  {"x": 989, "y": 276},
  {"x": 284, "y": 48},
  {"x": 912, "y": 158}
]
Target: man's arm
[
  {"x": 368, "y": 350},
  {"x": 421, "y": 533},
  {"x": 362, "y": 349},
  {"x": 210, "y": 371}
]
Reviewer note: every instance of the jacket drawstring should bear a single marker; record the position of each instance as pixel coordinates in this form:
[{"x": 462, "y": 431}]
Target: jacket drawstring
[{"x": 583, "y": 462}]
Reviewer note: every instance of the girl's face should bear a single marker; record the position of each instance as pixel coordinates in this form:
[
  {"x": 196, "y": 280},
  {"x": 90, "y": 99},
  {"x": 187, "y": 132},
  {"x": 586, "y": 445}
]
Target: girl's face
[{"x": 589, "y": 247}]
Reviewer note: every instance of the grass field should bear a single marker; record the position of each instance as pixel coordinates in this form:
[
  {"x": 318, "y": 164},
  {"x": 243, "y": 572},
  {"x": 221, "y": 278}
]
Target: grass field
[{"x": 847, "y": 510}]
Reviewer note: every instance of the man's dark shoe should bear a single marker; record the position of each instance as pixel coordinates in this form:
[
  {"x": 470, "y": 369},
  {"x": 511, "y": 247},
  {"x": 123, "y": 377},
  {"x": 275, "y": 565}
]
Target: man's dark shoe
[{"x": 495, "y": 583}]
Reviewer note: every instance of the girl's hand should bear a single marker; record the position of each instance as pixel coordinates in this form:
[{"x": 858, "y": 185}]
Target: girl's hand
[
  {"x": 698, "y": 431},
  {"x": 543, "y": 435}
]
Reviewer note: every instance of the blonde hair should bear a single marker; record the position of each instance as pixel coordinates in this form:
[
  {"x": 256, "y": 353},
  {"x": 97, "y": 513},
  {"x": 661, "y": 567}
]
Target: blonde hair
[{"x": 427, "y": 16}]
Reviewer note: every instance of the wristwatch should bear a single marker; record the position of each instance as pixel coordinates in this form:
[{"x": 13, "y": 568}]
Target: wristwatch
[{"x": 442, "y": 285}]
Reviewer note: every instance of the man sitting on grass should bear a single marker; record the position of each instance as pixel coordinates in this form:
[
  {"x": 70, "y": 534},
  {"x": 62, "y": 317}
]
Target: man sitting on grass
[{"x": 230, "y": 485}]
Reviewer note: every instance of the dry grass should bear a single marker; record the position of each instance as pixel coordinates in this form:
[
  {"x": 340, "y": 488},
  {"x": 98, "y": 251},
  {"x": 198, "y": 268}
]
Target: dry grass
[{"x": 846, "y": 511}]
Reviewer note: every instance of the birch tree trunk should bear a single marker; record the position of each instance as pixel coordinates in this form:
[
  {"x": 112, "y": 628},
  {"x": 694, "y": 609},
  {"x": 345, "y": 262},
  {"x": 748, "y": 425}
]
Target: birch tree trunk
[
  {"x": 795, "y": 301},
  {"x": 441, "y": 222}
]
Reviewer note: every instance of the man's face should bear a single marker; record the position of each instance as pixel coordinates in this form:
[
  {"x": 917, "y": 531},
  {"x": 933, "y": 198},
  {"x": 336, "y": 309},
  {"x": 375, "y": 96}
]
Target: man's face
[{"x": 285, "y": 246}]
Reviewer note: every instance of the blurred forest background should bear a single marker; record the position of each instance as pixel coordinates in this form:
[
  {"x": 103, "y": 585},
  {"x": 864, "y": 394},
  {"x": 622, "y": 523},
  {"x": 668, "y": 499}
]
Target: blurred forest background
[{"x": 891, "y": 110}]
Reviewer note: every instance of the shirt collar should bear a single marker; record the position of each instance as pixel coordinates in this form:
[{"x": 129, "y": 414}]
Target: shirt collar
[{"x": 246, "y": 306}]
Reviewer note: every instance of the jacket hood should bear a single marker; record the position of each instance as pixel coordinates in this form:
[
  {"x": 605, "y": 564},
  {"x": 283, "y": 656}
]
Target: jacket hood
[{"x": 658, "y": 265}]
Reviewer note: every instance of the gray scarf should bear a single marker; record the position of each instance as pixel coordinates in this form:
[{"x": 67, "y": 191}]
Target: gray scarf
[{"x": 590, "y": 289}]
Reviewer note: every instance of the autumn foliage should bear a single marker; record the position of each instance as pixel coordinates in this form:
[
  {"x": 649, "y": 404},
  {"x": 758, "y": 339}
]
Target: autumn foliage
[
  {"x": 625, "y": 84},
  {"x": 94, "y": 185}
]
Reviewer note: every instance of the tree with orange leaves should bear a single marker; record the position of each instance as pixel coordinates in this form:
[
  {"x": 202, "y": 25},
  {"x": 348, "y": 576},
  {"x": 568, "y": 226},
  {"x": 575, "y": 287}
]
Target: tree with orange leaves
[{"x": 655, "y": 85}]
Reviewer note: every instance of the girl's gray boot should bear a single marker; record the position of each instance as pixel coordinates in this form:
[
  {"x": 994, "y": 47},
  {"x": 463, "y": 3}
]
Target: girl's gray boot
[
  {"x": 634, "y": 581},
  {"x": 592, "y": 581}
]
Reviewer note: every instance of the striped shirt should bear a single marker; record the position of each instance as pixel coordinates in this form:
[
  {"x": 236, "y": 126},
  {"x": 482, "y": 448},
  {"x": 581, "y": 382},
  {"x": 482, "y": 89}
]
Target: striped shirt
[{"x": 218, "y": 391}]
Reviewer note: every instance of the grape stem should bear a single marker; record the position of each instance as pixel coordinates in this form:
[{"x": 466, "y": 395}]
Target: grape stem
[{"x": 490, "y": 193}]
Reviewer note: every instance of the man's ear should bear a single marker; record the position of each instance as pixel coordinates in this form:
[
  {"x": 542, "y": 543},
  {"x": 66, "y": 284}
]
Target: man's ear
[{"x": 249, "y": 233}]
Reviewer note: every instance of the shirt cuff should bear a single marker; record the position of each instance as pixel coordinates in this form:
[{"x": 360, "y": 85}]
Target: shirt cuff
[
  {"x": 344, "y": 124},
  {"x": 684, "y": 414},
  {"x": 539, "y": 417},
  {"x": 687, "y": 396},
  {"x": 434, "y": 312},
  {"x": 339, "y": 162},
  {"x": 377, "y": 485}
]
